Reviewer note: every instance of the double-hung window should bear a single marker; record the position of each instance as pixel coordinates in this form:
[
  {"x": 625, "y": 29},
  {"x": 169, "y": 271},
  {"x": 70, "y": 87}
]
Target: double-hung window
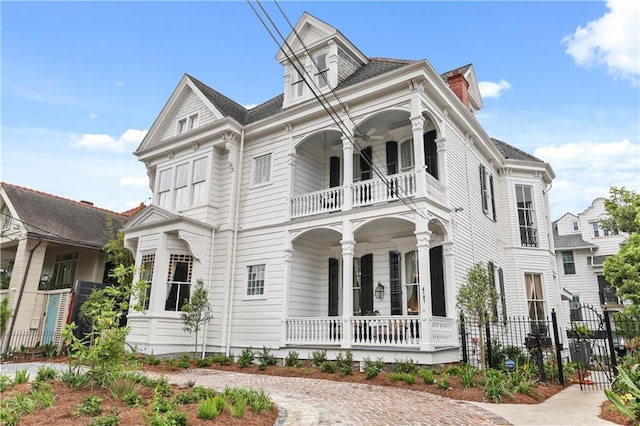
[
  {"x": 255, "y": 280},
  {"x": 182, "y": 186},
  {"x": 187, "y": 123},
  {"x": 261, "y": 169},
  {"x": 148, "y": 261},
  {"x": 535, "y": 303},
  {"x": 321, "y": 62},
  {"x": 178, "y": 281},
  {"x": 575, "y": 311},
  {"x": 297, "y": 83},
  {"x": 526, "y": 216},
  {"x": 164, "y": 188},
  {"x": 596, "y": 229},
  {"x": 199, "y": 181},
  {"x": 487, "y": 194},
  {"x": 568, "y": 263}
]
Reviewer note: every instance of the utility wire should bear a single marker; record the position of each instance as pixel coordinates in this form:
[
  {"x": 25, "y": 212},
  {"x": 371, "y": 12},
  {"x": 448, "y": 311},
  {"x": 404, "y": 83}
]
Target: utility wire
[{"x": 318, "y": 94}]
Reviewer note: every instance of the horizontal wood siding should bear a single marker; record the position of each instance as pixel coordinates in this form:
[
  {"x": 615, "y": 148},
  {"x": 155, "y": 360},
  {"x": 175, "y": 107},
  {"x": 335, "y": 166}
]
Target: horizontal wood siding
[
  {"x": 309, "y": 280},
  {"x": 311, "y": 169},
  {"x": 190, "y": 105}
]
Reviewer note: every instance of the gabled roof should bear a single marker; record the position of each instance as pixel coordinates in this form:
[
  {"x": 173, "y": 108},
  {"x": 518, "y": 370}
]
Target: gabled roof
[
  {"x": 512, "y": 153},
  {"x": 569, "y": 241},
  {"x": 374, "y": 68},
  {"x": 226, "y": 106},
  {"x": 58, "y": 219}
]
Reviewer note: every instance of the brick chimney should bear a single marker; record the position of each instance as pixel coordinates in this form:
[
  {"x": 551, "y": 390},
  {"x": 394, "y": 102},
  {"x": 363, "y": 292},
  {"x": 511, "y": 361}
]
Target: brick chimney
[{"x": 460, "y": 86}]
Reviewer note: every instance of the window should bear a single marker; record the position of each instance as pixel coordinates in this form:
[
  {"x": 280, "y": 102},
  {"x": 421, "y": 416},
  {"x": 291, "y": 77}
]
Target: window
[
  {"x": 321, "y": 61},
  {"x": 431, "y": 153},
  {"x": 297, "y": 83},
  {"x": 255, "y": 280},
  {"x": 568, "y": 263},
  {"x": 5, "y": 218},
  {"x": 178, "y": 281},
  {"x": 64, "y": 271},
  {"x": 406, "y": 155},
  {"x": 164, "y": 188},
  {"x": 575, "y": 313},
  {"x": 411, "y": 282},
  {"x": 262, "y": 169},
  {"x": 589, "y": 260},
  {"x": 147, "y": 263},
  {"x": 182, "y": 188},
  {"x": 576, "y": 226},
  {"x": 535, "y": 303},
  {"x": 486, "y": 193},
  {"x": 192, "y": 122},
  {"x": 187, "y": 123},
  {"x": 526, "y": 216},
  {"x": 596, "y": 229},
  {"x": 199, "y": 181},
  {"x": 182, "y": 125}
]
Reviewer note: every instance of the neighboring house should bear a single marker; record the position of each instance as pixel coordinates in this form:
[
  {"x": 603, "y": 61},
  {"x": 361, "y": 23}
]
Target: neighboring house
[
  {"x": 581, "y": 247},
  {"x": 48, "y": 243},
  {"x": 341, "y": 224}
]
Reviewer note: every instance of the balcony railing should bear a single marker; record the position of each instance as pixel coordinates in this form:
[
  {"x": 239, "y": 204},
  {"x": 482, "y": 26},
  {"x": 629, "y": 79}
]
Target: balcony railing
[
  {"x": 374, "y": 191},
  {"x": 379, "y": 331},
  {"x": 327, "y": 200}
]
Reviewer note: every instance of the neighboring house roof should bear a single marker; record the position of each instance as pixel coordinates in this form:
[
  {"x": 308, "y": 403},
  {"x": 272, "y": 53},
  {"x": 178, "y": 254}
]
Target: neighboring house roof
[
  {"x": 134, "y": 211},
  {"x": 513, "y": 153},
  {"x": 569, "y": 241},
  {"x": 62, "y": 220}
]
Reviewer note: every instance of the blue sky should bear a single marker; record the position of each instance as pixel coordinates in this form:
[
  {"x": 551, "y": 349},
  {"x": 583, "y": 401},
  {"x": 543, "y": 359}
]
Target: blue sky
[{"x": 83, "y": 81}]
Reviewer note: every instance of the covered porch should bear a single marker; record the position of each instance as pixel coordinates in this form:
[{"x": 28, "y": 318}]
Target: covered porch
[{"x": 383, "y": 284}]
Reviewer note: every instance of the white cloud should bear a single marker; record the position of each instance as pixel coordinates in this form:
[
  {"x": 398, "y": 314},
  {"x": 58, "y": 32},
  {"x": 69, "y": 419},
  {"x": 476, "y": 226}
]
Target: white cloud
[
  {"x": 93, "y": 115},
  {"x": 127, "y": 142},
  {"x": 134, "y": 182},
  {"x": 586, "y": 170},
  {"x": 612, "y": 40},
  {"x": 118, "y": 83},
  {"x": 489, "y": 89}
]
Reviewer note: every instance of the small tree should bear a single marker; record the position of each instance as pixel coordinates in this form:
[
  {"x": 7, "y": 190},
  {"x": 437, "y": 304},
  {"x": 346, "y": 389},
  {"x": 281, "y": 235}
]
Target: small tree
[
  {"x": 197, "y": 311},
  {"x": 5, "y": 314},
  {"x": 476, "y": 299}
]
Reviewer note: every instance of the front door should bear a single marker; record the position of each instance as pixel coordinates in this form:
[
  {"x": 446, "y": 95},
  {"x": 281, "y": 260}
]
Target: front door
[
  {"x": 334, "y": 278},
  {"x": 51, "y": 318}
]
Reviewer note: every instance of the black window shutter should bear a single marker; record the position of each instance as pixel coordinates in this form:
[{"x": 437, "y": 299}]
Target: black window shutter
[
  {"x": 431, "y": 153},
  {"x": 483, "y": 188},
  {"x": 392, "y": 157},
  {"x": 334, "y": 172},
  {"x": 334, "y": 271},
  {"x": 503, "y": 297},
  {"x": 493, "y": 198},
  {"x": 438, "y": 305},
  {"x": 365, "y": 163},
  {"x": 395, "y": 283},
  {"x": 492, "y": 280},
  {"x": 366, "y": 283}
]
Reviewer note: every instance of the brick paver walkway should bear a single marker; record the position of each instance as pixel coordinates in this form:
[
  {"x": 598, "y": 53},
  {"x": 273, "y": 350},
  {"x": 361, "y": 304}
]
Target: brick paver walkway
[{"x": 324, "y": 402}]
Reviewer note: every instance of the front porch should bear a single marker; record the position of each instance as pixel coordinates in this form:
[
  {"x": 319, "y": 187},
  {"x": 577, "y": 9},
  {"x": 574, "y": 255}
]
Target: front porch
[{"x": 390, "y": 332}]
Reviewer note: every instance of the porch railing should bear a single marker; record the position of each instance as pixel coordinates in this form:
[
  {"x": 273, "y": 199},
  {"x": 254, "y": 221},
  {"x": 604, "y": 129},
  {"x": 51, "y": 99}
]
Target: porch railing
[
  {"x": 327, "y": 200},
  {"x": 444, "y": 331},
  {"x": 314, "y": 330},
  {"x": 376, "y": 191},
  {"x": 386, "y": 331},
  {"x": 435, "y": 189}
]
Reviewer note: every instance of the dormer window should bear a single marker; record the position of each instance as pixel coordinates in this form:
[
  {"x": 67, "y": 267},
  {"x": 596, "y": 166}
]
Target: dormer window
[
  {"x": 182, "y": 125},
  {"x": 323, "y": 69},
  {"x": 298, "y": 84}
]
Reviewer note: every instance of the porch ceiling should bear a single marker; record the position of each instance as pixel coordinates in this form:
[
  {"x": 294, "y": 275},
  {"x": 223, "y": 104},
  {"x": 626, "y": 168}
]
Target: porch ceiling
[{"x": 387, "y": 227}]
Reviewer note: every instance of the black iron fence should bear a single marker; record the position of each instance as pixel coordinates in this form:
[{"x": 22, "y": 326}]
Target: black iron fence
[
  {"x": 26, "y": 344},
  {"x": 516, "y": 339}
]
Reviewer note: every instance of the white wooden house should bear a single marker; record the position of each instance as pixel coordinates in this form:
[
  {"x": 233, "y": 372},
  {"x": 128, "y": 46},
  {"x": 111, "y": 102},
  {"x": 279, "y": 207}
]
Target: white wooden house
[
  {"x": 581, "y": 246},
  {"x": 344, "y": 220}
]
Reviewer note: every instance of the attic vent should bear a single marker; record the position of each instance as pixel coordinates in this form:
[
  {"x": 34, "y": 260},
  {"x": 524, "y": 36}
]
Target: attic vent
[{"x": 89, "y": 203}]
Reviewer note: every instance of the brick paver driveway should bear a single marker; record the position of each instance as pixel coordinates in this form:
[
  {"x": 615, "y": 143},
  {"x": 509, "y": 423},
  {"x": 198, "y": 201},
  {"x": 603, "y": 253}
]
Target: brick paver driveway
[{"x": 323, "y": 402}]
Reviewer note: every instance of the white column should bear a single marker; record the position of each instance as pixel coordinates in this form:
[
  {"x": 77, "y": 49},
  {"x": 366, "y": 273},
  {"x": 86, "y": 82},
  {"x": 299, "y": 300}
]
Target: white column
[
  {"x": 348, "y": 245},
  {"x": 291, "y": 163},
  {"x": 442, "y": 165},
  {"x": 449, "y": 279},
  {"x": 423, "y": 237},
  {"x": 347, "y": 172},
  {"x": 417, "y": 129},
  {"x": 288, "y": 260}
]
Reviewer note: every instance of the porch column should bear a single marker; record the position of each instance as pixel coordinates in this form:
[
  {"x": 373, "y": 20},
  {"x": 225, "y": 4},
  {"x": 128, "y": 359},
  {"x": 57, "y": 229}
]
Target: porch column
[
  {"x": 423, "y": 237},
  {"x": 291, "y": 163},
  {"x": 449, "y": 279},
  {"x": 288, "y": 259},
  {"x": 417, "y": 129},
  {"x": 442, "y": 165},
  {"x": 347, "y": 172},
  {"x": 348, "y": 245}
]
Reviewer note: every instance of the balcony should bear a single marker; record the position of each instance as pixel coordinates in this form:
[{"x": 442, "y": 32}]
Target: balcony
[{"x": 366, "y": 193}]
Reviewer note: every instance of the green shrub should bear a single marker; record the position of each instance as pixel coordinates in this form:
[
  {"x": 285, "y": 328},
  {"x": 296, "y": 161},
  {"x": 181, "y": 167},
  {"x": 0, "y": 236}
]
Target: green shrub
[
  {"x": 246, "y": 357},
  {"x": 46, "y": 373},
  {"x": 292, "y": 359},
  {"x": 345, "y": 363},
  {"x": 328, "y": 367},
  {"x": 43, "y": 395},
  {"x": 495, "y": 386},
  {"x": 171, "y": 363},
  {"x": 444, "y": 382},
  {"x": 5, "y": 382},
  {"x": 428, "y": 376},
  {"x": 238, "y": 409},
  {"x": 404, "y": 366},
  {"x": 111, "y": 419},
  {"x": 21, "y": 376},
  {"x": 221, "y": 359},
  {"x": 203, "y": 393},
  {"x": 204, "y": 362},
  {"x": 266, "y": 358},
  {"x": 74, "y": 378},
  {"x": 23, "y": 404},
  {"x": 184, "y": 361},
  {"x": 408, "y": 378},
  {"x": 90, "y": 406},
  {"x": 49, "y": 350},
  {"x": 210, "y": 408},
  {"x": 373, "y": 368},
  {"x": 467, "y": 373},
  {"x": 151, "y": 360},
  {"x": 259, "y": 401},
  {"x": 318, "y": 357}
]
